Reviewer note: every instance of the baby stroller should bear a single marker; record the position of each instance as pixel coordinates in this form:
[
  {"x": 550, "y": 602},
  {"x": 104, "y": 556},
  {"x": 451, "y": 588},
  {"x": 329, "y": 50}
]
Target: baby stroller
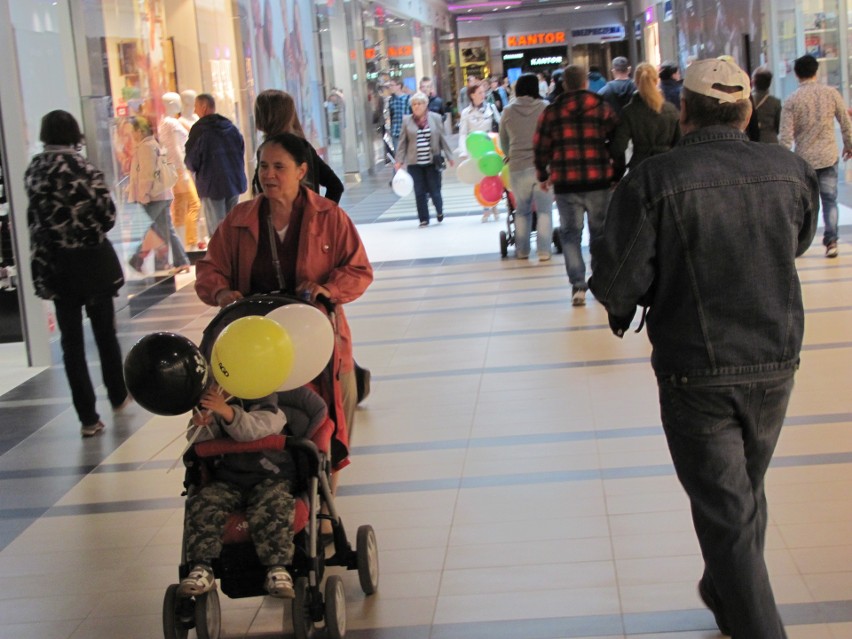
[
  {"x": 308, "y": 436},
  {"x": 507, "y": 237}
]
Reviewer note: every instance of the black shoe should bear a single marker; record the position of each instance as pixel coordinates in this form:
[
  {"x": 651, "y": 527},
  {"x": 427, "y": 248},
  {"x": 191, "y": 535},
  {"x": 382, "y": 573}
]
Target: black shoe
[
  {"x": 136, "y": 262},
  {"x": 440, "y": 217},
  {"x": 423, "y": 224},
  {"x": 709, "y": 599}
]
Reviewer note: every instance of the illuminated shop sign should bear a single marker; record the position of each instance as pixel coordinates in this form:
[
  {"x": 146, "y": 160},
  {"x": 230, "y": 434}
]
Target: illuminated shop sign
[
  {"x": 535, "y": 39},
  {"x": 553, "y": 59},
  {"x": 513, "y": 56},
  {"x": 405, "y": 51},
  {"x": 611, "y": 32}
]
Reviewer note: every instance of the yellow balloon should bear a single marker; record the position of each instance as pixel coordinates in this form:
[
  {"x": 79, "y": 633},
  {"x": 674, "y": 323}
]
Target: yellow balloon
[
  {"x": 252, "y": 357},
  {"x": 504, "y": 175}
]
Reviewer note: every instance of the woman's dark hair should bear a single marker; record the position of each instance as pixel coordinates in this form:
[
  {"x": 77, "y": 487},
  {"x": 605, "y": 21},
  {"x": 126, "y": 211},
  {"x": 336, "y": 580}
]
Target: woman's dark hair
[
  {"x": 527, "y": 85},
  {"x": 61, "y": 129},
  {"x": 293, "y": 144}
]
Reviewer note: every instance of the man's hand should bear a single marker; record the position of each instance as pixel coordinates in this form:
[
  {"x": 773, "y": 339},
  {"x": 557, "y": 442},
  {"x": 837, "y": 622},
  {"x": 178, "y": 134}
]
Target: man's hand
[
  {"x": 847, "y": 153},
  {"x": 310, "y": 290},
  {"x": 544, "y": 186}
]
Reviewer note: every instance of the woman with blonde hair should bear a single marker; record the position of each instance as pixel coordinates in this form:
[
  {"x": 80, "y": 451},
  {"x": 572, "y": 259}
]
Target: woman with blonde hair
[{"x": 648, "y": 120}]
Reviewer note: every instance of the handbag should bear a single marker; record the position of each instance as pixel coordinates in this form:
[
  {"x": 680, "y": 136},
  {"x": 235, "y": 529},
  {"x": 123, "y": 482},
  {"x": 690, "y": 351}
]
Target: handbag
[
  {"x": 439, "y": 161},
  {"x": 362, "y": 382},
  {"x": 165, "y": 174},
  {"x": 86, "y": 272}
]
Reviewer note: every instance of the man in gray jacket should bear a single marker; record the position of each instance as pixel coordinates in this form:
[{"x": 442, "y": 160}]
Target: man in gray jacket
[{"x": 517, "y": 130}]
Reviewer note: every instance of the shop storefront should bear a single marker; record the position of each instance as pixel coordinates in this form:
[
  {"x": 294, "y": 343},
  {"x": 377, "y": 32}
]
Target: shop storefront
[{"x": 105, "y": 61}]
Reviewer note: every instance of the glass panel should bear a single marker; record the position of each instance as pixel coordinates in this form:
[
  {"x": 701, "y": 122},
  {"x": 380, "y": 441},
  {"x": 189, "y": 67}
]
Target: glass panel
[{"x": 822, "y": 38}]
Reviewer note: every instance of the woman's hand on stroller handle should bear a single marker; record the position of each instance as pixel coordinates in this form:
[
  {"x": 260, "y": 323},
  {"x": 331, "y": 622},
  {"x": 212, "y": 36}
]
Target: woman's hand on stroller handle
[{"x": 226, "y": 297}]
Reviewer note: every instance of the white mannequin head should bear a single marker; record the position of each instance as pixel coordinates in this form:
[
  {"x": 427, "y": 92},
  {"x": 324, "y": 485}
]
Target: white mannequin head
[
  {"x": 172, "y": 103},
  {"x": 187, "y": 98}
]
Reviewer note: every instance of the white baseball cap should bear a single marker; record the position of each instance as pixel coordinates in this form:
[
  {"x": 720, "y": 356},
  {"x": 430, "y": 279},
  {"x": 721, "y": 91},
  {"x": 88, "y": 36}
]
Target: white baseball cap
[{"x": 717, "y": 78}]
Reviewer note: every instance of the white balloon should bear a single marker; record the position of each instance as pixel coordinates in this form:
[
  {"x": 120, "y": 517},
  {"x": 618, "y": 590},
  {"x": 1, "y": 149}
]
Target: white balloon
[
  {"x": 402, "y": 183},
  {"x": 468, "y": 172},
  {"x": 313, "y": 341}
]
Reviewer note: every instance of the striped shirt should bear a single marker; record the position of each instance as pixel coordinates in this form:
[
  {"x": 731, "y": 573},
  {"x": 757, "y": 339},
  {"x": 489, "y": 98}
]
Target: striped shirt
[{"x": 424, "y": 145}]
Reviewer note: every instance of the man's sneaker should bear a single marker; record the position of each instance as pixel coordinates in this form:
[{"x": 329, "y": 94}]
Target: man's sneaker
[
  {"x": 279, "y": 583},
  {"x": 578, "y": 296},
  {"x": 92, "y": 430},
  {"x": 831, "y": 249},
  {"x": 199, "y": 580}
]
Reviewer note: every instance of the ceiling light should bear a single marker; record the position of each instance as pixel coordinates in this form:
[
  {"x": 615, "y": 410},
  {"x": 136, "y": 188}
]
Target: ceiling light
[{"x": 484, "y": 5}]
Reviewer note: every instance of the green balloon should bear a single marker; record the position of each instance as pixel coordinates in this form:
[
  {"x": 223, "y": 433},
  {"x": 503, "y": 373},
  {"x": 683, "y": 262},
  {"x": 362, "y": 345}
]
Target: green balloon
[
  {"x": 491, "y": 163},
  {"x": 478, "y": 144}
]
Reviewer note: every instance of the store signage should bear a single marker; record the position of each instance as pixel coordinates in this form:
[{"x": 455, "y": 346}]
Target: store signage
[
  {"x": 513, "y": 56},
  {"x": 536, "y": 39},
  {"x": 404, "y": 51},
  {"x": 553, "y": 59},
  {"x": 649, "y": 15},
  {"x": 611, "y": 32}
]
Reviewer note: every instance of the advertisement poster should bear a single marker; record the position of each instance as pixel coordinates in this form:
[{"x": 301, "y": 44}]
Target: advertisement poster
[
  {"x": 710, "y": 28},
  {"x": 285, "y": 57}
]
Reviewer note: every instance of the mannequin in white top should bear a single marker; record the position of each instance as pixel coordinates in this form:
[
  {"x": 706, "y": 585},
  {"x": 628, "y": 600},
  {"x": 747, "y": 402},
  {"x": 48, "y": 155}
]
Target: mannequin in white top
[
  {"x": 186, "y": 205},
  {"x": 188, "y": 117}
]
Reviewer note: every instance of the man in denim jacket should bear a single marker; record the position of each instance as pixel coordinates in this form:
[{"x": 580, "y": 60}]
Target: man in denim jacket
[{"x": 705, "y": 237}]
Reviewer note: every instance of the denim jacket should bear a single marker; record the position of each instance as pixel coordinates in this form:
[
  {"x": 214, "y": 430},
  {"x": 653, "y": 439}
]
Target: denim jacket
[{"x": 706, "y": 237}]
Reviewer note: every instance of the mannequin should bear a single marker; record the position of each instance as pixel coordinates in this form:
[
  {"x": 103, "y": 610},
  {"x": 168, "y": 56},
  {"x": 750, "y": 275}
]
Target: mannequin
[
  {"x": 187, "y": 109},
  {"x": 186, "y": 205}
]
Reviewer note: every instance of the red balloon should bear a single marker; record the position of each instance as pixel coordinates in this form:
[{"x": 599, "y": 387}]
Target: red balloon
[
  {"x": 491, "y": 187},
  {"x": 478, "y": 195}
]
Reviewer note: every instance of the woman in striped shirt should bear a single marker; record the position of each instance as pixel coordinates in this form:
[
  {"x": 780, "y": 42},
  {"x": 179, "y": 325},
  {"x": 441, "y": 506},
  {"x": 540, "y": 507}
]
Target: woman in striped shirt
[{"x": 420, "y": 145}]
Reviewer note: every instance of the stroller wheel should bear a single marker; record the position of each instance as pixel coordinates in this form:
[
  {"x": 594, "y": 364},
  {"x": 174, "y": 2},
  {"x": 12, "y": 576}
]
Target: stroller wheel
[
  {"x": 335, "y": 608},
  {"x": 177, "y": 614},
  {"x": 367, "y": 552},
  {"x": 557, "y": 241},
  {"x": 208, "y": 615},
  {"x": 303, "y": 623},
  {"x": 504, "y": 244}
]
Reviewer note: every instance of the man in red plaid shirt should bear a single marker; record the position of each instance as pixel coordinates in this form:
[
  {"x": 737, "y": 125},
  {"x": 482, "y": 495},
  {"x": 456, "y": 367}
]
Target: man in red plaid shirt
[{"x": 571, "y": 154}]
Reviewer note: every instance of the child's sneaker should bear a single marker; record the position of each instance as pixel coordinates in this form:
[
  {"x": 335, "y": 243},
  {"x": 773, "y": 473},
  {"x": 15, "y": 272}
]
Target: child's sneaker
[
  {"x": 279, "y": 583},
  {"x": 199, "y": 580}
]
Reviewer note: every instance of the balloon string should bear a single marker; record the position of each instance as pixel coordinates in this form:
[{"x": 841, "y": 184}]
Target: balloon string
[{"x": 189, "y": 444}]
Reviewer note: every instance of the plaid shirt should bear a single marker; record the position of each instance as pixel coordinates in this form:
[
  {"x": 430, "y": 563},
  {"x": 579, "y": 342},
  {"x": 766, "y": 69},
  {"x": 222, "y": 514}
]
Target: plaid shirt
[
  {"x": 399, "y": 108},
  {"x": 571, "y": 140}
]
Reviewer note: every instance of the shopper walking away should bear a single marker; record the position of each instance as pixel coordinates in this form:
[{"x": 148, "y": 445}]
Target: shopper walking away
[
  {"x": 571, "y": 154},
  {"x": 69, "y": 213},
  {"x": 807, "y": 126},
  {"x": 618, "y": 91},
  {"x": 517, "y": 131},
  {"x": 705, "y": 237},
  {"x": 648, "y": 120},
  {"x": 215, "y": 153},
  {"x": 765, "y": 120}
]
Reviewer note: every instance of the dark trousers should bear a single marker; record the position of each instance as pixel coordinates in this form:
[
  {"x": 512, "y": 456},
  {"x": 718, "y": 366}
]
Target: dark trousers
[
  {"x": 69, "y": 317},
  {"x": 721, "y": 439},
  {"x": 427, "y": 183}
]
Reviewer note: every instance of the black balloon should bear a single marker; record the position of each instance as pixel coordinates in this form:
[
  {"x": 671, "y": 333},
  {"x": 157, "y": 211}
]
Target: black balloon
[{"x": 166, "y": 373}]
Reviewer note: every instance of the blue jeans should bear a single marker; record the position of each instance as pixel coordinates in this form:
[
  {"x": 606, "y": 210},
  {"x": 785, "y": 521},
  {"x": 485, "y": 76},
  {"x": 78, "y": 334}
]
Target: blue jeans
[
  {"x": 572, "y": 207},
  {"x": 828, "y": 196},
  {"x": 527, "y": 192},
  {"x": 721, "y": 440},
  {"x": 158, "y": 211},
  {"x": 216, "y": 210},
  {"x": 427, "y": 183}
]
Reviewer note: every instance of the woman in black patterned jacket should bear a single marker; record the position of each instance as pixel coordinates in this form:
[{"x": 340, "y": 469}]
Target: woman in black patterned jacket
[{"x": 69, "y": 207}]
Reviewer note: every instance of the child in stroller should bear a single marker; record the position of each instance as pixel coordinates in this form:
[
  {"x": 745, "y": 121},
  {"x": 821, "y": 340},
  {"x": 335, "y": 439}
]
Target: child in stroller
[{"x": 258, "y": 482}]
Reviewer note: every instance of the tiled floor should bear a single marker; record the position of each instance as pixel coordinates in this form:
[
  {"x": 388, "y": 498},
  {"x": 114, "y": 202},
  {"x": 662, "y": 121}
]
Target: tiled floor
[{"x": 510, "y": 458}]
